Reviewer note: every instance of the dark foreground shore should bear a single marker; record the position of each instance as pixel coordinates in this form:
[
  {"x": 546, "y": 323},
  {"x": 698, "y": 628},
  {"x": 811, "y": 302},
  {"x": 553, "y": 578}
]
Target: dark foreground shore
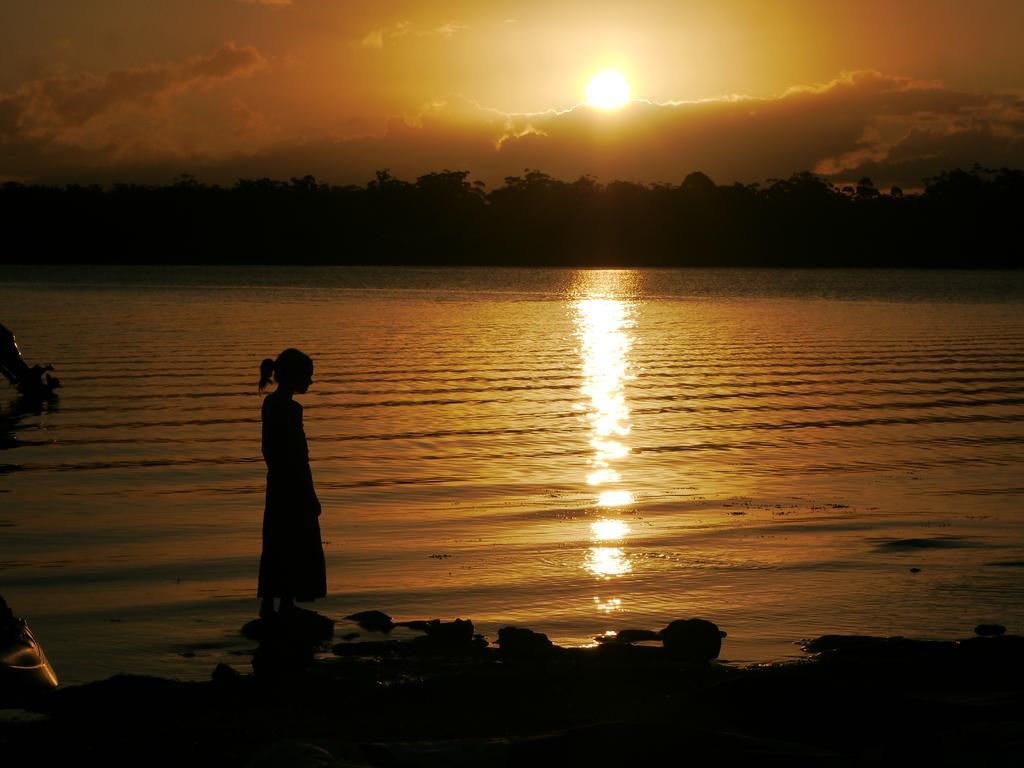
[{"x": 443, "y": 697}]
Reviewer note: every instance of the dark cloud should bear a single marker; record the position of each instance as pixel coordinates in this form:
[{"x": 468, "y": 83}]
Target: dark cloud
[
  {"x": 227, "y": 61},
  {"x": 895, "y": 129},
  {"x": 925, "y": 153},
  {"x": 52, "y": 104},
  {"x": 42, "y": 123}
]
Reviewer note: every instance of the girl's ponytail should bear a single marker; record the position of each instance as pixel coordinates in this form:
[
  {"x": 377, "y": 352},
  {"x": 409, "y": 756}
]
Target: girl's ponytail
[{"x": 266, "y": 372}]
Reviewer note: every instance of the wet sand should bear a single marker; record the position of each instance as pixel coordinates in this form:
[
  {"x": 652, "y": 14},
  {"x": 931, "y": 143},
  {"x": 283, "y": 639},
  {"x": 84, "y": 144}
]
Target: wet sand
[{"x": 444, "y": 697}]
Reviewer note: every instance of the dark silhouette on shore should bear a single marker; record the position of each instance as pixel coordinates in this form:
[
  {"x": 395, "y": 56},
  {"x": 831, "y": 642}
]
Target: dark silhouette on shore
[
  {"x": 31, "y": 381},
  {"x": 292, "y": 563},
  {"x": 962, "y": 219},
  {"x": 25, "y": 673},
  {"x": 443, "y": 695}
]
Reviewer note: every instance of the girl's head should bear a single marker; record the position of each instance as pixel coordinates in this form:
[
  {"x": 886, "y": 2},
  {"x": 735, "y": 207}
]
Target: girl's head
[{"x": 291, "y": 370}]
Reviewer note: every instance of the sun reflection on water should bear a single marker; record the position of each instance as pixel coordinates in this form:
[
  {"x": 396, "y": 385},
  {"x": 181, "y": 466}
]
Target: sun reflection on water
[
  {"x": 604, "y": 530},
  {"x": 614, "y": 499},
  {"x": 611, "y": 605},
  {"x": 603, "y": 326},
  {"x": 606, "y": 562}
]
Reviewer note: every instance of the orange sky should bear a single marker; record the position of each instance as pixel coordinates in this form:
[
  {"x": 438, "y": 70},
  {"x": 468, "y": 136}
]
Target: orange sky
[{"x": 120, "y": 89}]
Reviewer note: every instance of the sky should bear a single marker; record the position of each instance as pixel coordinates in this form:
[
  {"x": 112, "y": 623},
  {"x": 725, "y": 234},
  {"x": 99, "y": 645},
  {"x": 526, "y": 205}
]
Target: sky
[{"x": 100, "y": 91}]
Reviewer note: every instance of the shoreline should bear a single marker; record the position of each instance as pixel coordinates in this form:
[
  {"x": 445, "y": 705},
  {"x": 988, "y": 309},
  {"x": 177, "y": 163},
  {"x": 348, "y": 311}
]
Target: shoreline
[{"x": 446, "y": 697}]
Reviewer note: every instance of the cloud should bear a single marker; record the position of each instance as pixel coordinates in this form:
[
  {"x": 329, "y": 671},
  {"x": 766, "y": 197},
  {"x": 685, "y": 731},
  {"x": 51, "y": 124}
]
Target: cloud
[
  {"x": 895, "y": 129},
  {"x": 860, "y": 122},
  {"x": 450, "y": 29},
  {"x": 59, "y": 123},
  {"x": 51, "y": 104},
  {"x": 923, "y": 153},
  {"x": 373, "y": 39},
  {"x": 378, "y": 37}
]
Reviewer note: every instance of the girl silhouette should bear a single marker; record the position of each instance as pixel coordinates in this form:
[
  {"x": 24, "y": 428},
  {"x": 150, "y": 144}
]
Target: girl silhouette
[{"x": 292, "y": 564}]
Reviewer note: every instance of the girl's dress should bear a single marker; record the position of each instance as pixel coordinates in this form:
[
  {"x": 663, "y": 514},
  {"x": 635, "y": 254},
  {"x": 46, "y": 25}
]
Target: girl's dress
[{"x": 292, "y": 563}]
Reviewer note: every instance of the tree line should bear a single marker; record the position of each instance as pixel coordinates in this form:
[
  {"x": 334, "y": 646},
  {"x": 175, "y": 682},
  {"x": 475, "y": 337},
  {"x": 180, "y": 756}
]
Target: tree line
[{"x": 959, "y": 218}]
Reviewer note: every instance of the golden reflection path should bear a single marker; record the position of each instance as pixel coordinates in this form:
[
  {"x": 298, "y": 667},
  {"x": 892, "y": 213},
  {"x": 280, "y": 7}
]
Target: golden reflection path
[{"x": 604, "y": 320}]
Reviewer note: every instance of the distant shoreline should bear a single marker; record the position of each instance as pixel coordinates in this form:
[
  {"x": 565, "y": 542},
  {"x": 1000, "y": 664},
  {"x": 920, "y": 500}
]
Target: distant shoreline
[{"x": 961, "y": 220}]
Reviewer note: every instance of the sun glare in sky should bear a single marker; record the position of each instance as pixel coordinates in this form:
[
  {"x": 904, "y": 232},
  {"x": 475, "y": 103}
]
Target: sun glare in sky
[{"x": 608, "y": 90}]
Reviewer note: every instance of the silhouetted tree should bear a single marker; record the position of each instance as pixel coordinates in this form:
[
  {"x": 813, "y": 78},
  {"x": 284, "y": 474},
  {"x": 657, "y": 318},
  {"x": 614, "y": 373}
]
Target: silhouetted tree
[
  {"x": 866, "y": 189},
  {"x": 962, "y": 218}
]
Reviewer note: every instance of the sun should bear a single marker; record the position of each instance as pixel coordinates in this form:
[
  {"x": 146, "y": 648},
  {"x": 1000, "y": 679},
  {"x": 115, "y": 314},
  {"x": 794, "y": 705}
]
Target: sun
[{"x": 608, "y": 90}]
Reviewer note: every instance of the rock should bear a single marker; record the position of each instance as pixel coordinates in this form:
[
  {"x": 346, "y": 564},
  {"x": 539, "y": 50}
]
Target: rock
[
  {"x": 254, "y": 629},
  {"x": 372, "y": 621},
  {"x": 915, "y": 570},
  {"x": 287, "y": 641},
  {"x": 418, "y": 624},
  {"x": 224, "y": 673},
  {"x": 314, "y": 625},
  {"x": 298, "y": 625},
  {"x": 867, "y": 649},
  {"x": 458, "y": 631},
  {"x": 451, "y": 637},
  {"x": 695, "y": 640},
  {"x": 998, "y": 650},
  {"x": 518, "y": 641},
  {"x": 635, "y": 635},
  {"x": 989, "y": 630}
]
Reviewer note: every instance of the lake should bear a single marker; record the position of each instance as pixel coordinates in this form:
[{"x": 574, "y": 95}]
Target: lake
[{"x": 575, "y": 451}]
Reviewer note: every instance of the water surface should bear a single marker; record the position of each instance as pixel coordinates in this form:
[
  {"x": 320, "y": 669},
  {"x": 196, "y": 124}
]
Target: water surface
[{"x": 573, "y": 451}]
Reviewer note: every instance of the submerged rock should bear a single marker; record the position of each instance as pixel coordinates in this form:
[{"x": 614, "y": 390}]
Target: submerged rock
[
  {"x": 449, "y": 637},
  {"x": 441, "y": 638},
  {"x": 693, "y": 639},
  {"x": 518, "y": 641},
  {"x": 458, "y": 631},
  {"x": 990, "y": 630},
  {"x": 372, "y": 621}
]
